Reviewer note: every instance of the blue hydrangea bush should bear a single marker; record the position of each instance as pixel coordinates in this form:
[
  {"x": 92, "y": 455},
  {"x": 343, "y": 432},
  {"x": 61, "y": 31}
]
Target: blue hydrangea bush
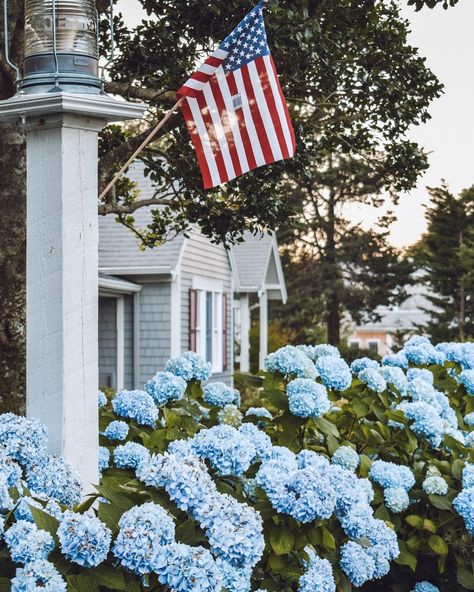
[{"x": 345, "y": 477}]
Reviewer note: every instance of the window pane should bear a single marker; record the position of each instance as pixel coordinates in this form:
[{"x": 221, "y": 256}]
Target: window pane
[
  {"x": 209, "y": 324},
  {"x": 374, "y": 346}
]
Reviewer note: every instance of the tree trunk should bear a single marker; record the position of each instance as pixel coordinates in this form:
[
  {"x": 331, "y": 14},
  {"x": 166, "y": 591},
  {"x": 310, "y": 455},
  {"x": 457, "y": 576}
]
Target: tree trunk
[
  {"x": 12, "y": 233},
  {"x": 12, "y": 269},
  {"x": 333, "y": 316}
]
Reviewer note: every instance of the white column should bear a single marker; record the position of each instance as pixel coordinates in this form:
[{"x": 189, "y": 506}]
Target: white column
[
  {"x": 62, "y": 265},
  {"x": 263, "y": 299},
  {"x": 244, "y": 333},
  {"x": 120, "y": 326}
]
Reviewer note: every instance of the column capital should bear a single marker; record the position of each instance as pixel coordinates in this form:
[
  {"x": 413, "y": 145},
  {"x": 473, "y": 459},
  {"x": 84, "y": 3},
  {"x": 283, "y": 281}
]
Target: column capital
[{"x": 35, "y": 109}]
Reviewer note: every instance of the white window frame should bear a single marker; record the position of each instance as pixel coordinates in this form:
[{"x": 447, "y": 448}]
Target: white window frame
[{"x": 204, "y": 286}]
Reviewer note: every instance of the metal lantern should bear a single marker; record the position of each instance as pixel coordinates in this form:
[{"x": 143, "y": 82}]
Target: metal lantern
[{"x": 61, "y": 46}]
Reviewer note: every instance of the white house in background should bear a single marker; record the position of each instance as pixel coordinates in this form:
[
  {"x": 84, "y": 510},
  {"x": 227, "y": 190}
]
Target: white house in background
[
  {"x": 378, "y": 336},
  {"x": 187, "y": 294}
]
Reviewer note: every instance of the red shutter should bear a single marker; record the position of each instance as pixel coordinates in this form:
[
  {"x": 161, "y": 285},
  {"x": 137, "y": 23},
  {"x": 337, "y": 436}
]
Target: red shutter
[
  {"x": 192, "y": 319},
  {"x": 225, "y": 361}
]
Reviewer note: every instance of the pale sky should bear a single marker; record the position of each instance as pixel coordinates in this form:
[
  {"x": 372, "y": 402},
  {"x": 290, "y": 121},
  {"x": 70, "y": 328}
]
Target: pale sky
[{"x": 445, "y": 39}]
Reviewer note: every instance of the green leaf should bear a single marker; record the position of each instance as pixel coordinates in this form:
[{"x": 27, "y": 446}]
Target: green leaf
[
  {"x": 328, "y": 540},
  {"x": 465, "y": 578},
  {"x": 250, "y": 379},
  {"x": 441, "y": 502},
  {"x": 277, "y": 398},
  {"x": 110, "y": 516},
  {"x": 81, "y": 583},
  {"x": 438, "y": 545},
  {"x": 108, "y": 576},
  {"x": 360, "y": 408},
  {"x": 429, "y": 525},
  {"x": 326, "y": 427},
  {"x": 282, "y": 540},
  {"x": 405, "y": 557},
  {"x": 5, "y": 585},
  {"x": 456, "y": 468},
  {"x": 187, "y": 533},
  {"x": 415, "y": 521},
  {"x": 45, "y": 521}
]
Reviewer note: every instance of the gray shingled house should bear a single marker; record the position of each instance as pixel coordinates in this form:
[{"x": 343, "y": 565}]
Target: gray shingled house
[{"x": 185, "y": 294}]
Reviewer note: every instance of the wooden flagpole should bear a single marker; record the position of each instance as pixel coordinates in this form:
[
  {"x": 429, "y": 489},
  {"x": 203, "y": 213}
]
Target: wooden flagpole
[{"x": 143, "y": 145}]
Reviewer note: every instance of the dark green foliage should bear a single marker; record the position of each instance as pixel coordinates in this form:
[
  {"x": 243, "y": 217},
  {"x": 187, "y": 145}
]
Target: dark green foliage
[{"x": 445, "y": 253}]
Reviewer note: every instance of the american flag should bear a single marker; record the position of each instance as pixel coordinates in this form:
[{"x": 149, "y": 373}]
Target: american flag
[{"x": 234, "y": 107}]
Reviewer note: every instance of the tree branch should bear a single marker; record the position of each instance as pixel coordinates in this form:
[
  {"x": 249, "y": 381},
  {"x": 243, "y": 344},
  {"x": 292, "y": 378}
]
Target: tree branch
[
  {"x": 129, "y": 208},
  {"x": 148, "y": 95}
]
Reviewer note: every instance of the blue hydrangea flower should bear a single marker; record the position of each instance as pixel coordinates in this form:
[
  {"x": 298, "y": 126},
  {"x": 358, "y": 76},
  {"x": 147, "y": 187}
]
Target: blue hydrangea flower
[
  {"x": 362, "y": 363},
  {"x": 22, "y": 510},
  {"x": 356, "y": 563},
  {"x": 136, "y": 405},
  {"x": 116, "y": 430},
  {"x": 101, "y": 399},
  {"x": 317, "y": 351},
  {"x": 234, "y": 579},
  {"x": 464, "y": 506},
  {"x": 143, "y": 529},
  {"x": 130, "y": 455},
  {"x": 189, "y": 366},
  {"x": 220, "y": 394},
  {"x": 6, "y": 501},
  {"x": 27, "y": 543},
  {"x": 396, "y": 499},
  {"x": 289, "y": 360},
  {"x": 55, "y": 478},
  {"x": 469, "y": 419},
  {"x": 104, "y": 458},
  {"x": 23, "y": 440},
  {"x": 466, "y": 378},
  {"x": 421, "y": 373},
  {"x": 261, "y": 441},
  {"x": 390, "y": 475},
  {"x": 262, "y": 412},
  {"x": 334, "y": 372},
  {"x": 346, "y": 457},
  {"x": 396, "y": 376},
  {"x": 230, "y": 415},
  {"x": 435, "y": 485},
  {"x": 38, "y": 575},
  {"x": 84, "y": 539},
  {"x": 183, "y": 476},
  {"x": 427, "y": 422},
  {"x": 318, "y": 576},
  {"x": 417, "y": 340},
  {"x": 227, "y": 450},
  {"x": 398, "y": 360},
  {"x": 309, "y": 458},
  {"x": 373, "y": 379},
  {"x": 307, "y": 398},
  {"x": 425, "y": 587},
  {"x": 10, "y": 469},
  {"x": 165, "y": 387},
  {"x": 187, "y": 569},
  {"x": 468, "y": 476}
]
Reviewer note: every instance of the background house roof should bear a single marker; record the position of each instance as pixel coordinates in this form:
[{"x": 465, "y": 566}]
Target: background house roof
[
  {"x": 120, "y": 249},
  {"x": 256, "y": 264}
]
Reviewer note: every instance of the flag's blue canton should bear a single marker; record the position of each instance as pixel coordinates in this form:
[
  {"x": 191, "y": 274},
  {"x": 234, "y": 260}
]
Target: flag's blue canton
[{"x": 247, "y": 42}]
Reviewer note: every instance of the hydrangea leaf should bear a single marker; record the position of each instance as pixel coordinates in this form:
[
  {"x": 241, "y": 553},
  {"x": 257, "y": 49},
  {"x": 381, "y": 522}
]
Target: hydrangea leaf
[
  {"x": 438, "y": 545},
  {"x": 282, "y": 540},
  {"x": 465, "y": 578},
  {"x": 108, "y": 576}
]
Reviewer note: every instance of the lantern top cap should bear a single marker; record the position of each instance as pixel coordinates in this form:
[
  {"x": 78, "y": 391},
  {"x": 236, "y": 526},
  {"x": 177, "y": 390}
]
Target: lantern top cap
[{"x": 103, "y": 107}]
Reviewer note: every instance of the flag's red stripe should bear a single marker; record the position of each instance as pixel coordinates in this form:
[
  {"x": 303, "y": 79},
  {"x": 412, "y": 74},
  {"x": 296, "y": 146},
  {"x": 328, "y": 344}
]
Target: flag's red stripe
[
  {"x": 211, "y": 132},
  {"x": 200, "y": 76},
  {"x": 287, "y": 114},
  {"x": 188, "y": 117},
  {"x": 213, "y": 61},
  {"x": 242, "y": 125},
  {"x": 267, "y": 91},
  {"x": 229, "y": 136},
  {"x": 256, "y": 116}
]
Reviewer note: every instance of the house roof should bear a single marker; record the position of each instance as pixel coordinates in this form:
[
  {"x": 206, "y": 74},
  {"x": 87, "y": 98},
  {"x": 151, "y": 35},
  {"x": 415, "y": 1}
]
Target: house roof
[
  {"x": 256, "y": 265},
  {"x": 119, "y": 249}
]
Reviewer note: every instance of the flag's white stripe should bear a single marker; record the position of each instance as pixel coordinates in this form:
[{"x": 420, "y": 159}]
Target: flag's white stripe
[
  {"x": 234, "y": 122},
  {"x": 221, "y": 54},
  {"x": 219, "y": 130},
  {"x": 249, "y": 124},
  {"x": 195, "y": 84},
  {"x": 207, "y": 69},
  {"x": 206, "y": 144},
  {"x": 279, "y": 104},
  {"x": 264, "y": 111}
]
